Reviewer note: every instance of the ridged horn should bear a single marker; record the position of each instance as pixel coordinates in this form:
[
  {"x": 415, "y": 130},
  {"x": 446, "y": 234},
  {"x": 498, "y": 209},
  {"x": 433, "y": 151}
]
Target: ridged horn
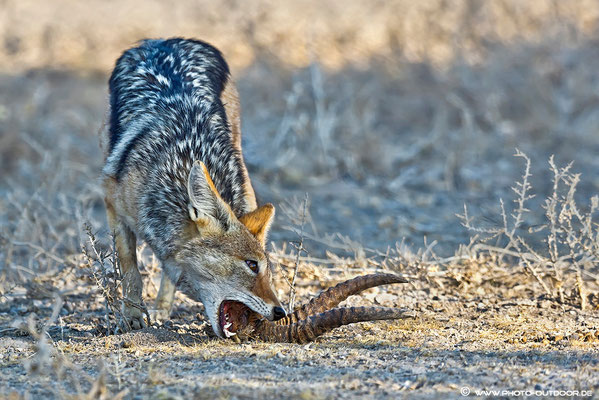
[
  {"x": 309, "y": 329},
  {"x": 331, "y": 297}
]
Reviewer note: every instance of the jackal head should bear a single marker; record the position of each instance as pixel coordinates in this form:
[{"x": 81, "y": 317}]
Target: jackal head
[{"x": 224, "y": 257}]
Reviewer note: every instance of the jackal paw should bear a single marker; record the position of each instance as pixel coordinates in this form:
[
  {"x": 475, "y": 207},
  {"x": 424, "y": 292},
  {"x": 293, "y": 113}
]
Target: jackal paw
[
  {"x": 159, "y": 315},
  {"x": 133, "y": 319}
]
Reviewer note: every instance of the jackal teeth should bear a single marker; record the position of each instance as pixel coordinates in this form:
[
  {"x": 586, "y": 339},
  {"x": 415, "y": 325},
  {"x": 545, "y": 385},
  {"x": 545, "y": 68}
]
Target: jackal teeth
[{"x": 226, "y": 330}]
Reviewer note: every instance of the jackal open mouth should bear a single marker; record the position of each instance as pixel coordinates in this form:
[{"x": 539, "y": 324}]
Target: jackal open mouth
[{"x": 233, "y": 316}]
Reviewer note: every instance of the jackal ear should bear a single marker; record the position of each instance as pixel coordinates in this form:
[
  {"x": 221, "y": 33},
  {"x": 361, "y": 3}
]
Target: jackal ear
[
  {"x": 207, "y": 209},
  {"x": 258, "y": 221}
]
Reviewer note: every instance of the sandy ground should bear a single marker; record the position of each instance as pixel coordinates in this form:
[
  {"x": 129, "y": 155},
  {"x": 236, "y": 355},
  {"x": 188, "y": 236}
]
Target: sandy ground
[{"x": 456, "y": 341}]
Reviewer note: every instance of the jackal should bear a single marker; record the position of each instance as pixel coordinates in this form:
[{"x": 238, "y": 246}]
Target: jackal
[{"x": 174, "y": 176}]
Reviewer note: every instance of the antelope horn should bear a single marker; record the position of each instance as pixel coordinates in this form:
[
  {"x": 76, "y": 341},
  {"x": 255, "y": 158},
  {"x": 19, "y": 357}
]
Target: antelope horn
[
  {"x": 331, "y": 297},
  {"x": 309, "y": 329}
]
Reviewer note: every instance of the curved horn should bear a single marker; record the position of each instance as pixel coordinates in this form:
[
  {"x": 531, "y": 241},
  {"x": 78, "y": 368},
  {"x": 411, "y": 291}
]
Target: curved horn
[
  {"x": 309, "y": 329},
  {"x": 333, "y": 296}
]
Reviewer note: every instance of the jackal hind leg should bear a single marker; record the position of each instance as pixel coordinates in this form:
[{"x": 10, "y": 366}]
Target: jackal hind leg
[{"x": 133, "y": 316}]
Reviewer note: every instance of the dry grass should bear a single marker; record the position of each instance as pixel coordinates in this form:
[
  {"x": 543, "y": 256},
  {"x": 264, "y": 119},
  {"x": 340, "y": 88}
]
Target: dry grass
[
  {"x": 570, "y": 237},
  {"x": 390, "y": 116}
]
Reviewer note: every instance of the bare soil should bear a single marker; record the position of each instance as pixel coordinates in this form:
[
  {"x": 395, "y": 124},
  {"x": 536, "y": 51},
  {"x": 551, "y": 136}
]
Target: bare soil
[{"x": 455, "y": 341}]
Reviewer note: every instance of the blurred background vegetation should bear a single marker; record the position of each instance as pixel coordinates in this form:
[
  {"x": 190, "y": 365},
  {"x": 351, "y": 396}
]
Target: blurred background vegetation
[
  {"x": 90, "y": 35},
  {"x": 389, "y": 114}
]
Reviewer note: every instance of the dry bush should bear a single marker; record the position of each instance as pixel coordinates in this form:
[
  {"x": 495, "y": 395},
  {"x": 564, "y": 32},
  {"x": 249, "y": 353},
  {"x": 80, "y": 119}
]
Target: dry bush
[
  {"x": 570, "y": 235},
  {"x": 560, "y": 253},
  {"x": 105, "y": 269},
  {"x": 55, "y": 373}
]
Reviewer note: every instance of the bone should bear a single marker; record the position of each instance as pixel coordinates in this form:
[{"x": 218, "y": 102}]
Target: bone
[
  {"x": 309, "y": 329},
  {"x": 331, "y": 297},
  {"x": 319, "y": 316}
]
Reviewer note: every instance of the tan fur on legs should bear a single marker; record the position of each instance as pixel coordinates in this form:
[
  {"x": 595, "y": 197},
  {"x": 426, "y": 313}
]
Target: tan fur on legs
[
  {"x": 164, "y": 300},
  {"x": 230, "y": 100},
  {"x": 131, "y": 278}
]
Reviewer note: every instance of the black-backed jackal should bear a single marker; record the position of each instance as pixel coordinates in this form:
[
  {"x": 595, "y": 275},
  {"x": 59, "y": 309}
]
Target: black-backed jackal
[{"x": 174, "y": 177}]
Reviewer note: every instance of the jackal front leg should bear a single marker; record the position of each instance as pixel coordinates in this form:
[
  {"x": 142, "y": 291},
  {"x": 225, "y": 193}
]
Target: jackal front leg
[
  {"x": 166, "y": 295},
  {"x": 131, "y": 279}
]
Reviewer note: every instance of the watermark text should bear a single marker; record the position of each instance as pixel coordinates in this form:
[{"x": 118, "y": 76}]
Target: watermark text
[{"x": 467, "y": 391}]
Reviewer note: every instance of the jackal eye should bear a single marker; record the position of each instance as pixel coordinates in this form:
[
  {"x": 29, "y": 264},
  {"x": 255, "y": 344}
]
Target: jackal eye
[{"x": 253, "y": 265}]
